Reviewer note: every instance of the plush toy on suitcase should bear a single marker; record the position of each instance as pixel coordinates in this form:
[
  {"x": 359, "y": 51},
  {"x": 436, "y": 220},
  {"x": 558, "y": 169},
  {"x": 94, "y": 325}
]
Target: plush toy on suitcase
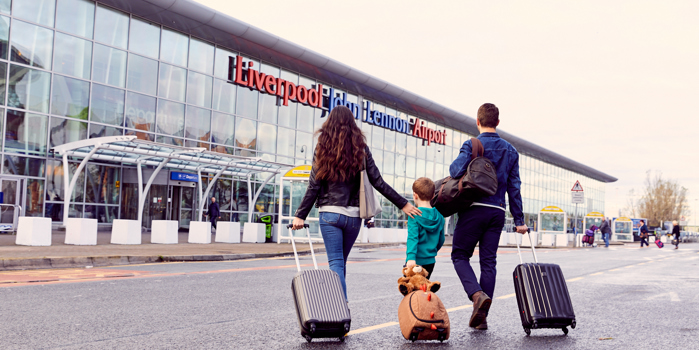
[
  {"x": 542, "y": 296},
  {"x": 421, "y": 314},
  {"x": 319, "y": 299}
]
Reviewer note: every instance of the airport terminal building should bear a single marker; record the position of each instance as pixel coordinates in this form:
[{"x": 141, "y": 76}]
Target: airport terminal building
[{"x": 175, "y": 72}]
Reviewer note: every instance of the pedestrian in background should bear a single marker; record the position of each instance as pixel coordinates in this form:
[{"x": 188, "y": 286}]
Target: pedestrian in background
[
  {"x": 214, "y": 213},
  {"x": 676, "y": 232},
  {"x": 333, "y": 186},
  {"x": 606, "y": 230},
  {"x": 643, "y": 233},
  {"x": 482, "y": 222}
]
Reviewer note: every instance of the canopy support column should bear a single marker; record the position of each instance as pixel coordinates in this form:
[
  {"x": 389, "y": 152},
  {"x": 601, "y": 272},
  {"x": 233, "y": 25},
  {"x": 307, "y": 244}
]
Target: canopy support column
[
  {"x": 250, "y": 205},
  {"x": 208, "y": 188},
  {"x": 69, "y": 184},
  {"x": 143, "y": 191},
  {"x": 257, "y": 194}
]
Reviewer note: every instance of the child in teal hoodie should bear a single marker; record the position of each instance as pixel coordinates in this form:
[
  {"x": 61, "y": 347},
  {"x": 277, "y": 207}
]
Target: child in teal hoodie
[{"x": 426, "y": 232}]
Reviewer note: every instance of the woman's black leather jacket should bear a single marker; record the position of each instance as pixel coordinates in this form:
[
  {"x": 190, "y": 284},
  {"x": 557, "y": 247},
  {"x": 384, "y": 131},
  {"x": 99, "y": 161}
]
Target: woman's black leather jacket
[{"x": 345, "y": 194}]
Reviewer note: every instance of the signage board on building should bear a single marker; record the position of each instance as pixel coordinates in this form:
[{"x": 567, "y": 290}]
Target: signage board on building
[
  {"x": 302, "y": 171},
  {"x": 184, "y": 177}
]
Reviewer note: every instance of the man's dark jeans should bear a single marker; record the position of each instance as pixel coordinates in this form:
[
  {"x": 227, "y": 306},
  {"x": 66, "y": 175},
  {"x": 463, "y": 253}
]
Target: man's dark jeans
[{"x": 477, "y": 225}]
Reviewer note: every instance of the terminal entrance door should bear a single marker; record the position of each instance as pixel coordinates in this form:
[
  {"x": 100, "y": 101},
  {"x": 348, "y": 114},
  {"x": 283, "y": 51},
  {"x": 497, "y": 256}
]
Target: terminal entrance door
[
  {"x": 10, "y": 207},
  {"x": 181, "y": 204}
]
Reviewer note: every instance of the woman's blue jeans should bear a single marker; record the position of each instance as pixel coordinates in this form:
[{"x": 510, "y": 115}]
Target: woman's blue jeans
[{"x": 339, "y": 233}]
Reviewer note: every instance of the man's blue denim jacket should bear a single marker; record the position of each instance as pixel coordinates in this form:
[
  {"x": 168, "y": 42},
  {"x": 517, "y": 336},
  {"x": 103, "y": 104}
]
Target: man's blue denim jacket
[{"x": 506, "y": 160}]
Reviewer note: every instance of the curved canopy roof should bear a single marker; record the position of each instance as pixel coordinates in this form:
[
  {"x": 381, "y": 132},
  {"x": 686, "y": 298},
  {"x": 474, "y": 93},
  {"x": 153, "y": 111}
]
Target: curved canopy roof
[{"x": 203, "y": 22}]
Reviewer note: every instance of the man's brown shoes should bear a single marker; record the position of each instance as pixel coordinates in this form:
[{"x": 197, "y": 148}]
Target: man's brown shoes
[{"x": 481, "y": 305}]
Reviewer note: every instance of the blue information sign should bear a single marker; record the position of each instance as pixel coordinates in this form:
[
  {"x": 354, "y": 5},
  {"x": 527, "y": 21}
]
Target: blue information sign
[{"x": 184, "y": 177}]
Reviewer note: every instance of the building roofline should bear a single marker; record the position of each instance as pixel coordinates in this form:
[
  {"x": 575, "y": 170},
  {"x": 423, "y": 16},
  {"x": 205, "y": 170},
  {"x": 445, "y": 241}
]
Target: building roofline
[{"x": 200, "y": 21}]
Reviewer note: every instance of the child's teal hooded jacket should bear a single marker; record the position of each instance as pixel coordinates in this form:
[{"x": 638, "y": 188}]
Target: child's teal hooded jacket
[{"x": 425, "y": 236}]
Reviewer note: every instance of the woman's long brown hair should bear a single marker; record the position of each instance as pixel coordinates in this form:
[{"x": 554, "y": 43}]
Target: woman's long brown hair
[{"x": 341, "y": 147}]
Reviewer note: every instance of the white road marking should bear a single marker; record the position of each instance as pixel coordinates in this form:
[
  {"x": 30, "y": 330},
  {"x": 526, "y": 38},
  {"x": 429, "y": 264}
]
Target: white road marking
[{"x": 673, "y": 296}]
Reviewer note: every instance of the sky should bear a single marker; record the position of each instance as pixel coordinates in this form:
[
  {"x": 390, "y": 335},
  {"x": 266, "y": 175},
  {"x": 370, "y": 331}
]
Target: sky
[{"x": 611, "y": 84}]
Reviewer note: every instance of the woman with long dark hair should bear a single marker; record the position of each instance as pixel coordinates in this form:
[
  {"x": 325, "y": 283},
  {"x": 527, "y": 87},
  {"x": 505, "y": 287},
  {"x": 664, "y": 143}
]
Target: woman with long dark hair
[{"x": 339, "y": 158}]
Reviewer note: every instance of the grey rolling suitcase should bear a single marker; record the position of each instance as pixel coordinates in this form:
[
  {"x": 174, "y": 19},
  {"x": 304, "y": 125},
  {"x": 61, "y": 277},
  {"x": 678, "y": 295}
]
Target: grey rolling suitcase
[
  {"x": 319, "y": 299},
  {"x": 542, "y": 295}
]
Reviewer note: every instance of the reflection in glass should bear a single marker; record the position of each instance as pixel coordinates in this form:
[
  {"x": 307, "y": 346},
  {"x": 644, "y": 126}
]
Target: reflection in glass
[
  {"x": 5, "y": 6},
  {"x": 199, "y": 89},
  {"x": 140, "y": 114},
  {"x": 101, "y": 184},
  {"x": 287, "y": 114},
  {"x": 72, "y": 56},
  {"x": 198, "y": 124},
  {"x": 25, "y": 133},
  {"x": 201, "y": 57},
  {"x": 63, "y": 131},
  {"x": 401, "y": 143},
  {"x": 389, "y": 141},
  {"x": 304, "y": 146},
  {"x": 3, "y": 82},
  {"x": 29, "y": 89},
  {"x": 174, "y": 47},
  {"x": 4, "y": 36},
  {"x": 400, "y": 165},
  {"x": 107, "y": 105},
  {"x": 245, "y": 133},
  {"x": 97, "y": 130},
  {"x": 15, "y": 165},
  {"x": 109, "y": 66},
  {"x": 221, "y": 67},
  {"x": 411, "y": 146},
  {"x": 172, "y": 82},
  {"x": 222, "y": 129},
  {"x": 420, "y": 168},
  {"x": 169, "y": 140},
  {"x": 35, "y": 198},
  {"x": 70, "y": 97},
  {"x": 246, "y": 103},
  {"x": 37, "y": 11},
  {"x": 377, "y": 137},
  {"x": 144, "y": 38},
  {"x": 143, "y": 74},
  {"x": 170, "y": 118},
  {"x": 31, "y": 45},
  {"x": 103, "y": 214},
  {"x": 224, "y": 96},
  {"x": 76, "y": 17},
  {"x": 267, "y": 110},
  {"x": 267, "y": 138},
  {"x": 389, "y": 162},
  {"x": 112, "y": 27},
  {"x": 286, "y": 142},
  {"x": 54, "y": 181}
]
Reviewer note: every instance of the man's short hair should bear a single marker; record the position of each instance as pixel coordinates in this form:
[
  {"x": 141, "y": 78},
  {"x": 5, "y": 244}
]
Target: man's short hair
[
  {"x": 424, "y": 188},
  {"x": 643, "y": 221},
  {"x": 488, "y": 115}
]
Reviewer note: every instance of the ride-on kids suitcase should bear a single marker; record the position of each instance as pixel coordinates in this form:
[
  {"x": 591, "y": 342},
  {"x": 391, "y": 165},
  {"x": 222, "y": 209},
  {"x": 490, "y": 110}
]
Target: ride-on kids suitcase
[
  {"x": 319, "y": 299},
  {"x": 542, "y": 295}
]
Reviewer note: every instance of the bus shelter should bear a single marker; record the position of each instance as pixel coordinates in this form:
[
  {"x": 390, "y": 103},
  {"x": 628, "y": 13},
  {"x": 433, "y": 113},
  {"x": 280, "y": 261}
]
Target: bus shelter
[
  {"x": 129, "y": 150},
  {"x": 622, "y": 230},
  {"x": 593, "y": 218},
  {"x": 552, "y": 226}
]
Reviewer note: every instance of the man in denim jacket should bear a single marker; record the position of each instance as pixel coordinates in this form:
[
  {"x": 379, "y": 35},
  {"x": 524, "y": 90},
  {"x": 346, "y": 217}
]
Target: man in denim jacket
[{"x": 482, "y": 222}]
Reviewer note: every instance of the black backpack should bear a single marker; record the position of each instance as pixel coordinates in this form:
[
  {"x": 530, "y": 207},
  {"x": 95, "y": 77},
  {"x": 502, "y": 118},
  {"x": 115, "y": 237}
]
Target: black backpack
[{"x": 454, "y": 195}]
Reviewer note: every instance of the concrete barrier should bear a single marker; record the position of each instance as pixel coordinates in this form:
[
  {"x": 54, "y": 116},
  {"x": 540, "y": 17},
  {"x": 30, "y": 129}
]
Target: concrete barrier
[
  {"x": 164, "y": 232},
  {"x": 561, "y": 240},
  {"x": 199, "y": 232},
  {"x": 254, "y": 232},
  {"x": 548, "y": 239},
  {"x": 126, "y": 232},
  {"x": 81, "y": 231},
  {"x": 33, "y": 231},
  {"x": 375, "y": 235},
  {"x": 227, "y": 232}
]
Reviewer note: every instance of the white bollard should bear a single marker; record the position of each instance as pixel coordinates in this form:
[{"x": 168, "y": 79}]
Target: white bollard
[
  {"x": 199, "y": 232},
  {"x": 254, "y": 232},
  {"x": 81, "y": 231},
  {"x": 164, "y": 232},
  {"x": 227, "y": 232},
  {"x": 126, "y": 232},
  {"x": 33, "y": 231}
]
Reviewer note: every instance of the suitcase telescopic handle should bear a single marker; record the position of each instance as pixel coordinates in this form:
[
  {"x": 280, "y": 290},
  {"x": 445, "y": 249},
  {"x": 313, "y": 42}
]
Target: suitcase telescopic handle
[
  {"x": 293, "y": 245},
  {"x": 519, "y": 252}
]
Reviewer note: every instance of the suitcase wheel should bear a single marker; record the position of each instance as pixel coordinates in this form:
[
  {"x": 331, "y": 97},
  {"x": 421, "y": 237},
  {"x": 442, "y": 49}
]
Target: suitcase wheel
[
  {"x": 413, "y": 337},
  {"x": 442, "y": 337},
  {"x": 572, "y": 325},
  {"x": 528, "y": 331},
  {"x": 308, "y": 338},
  {"x": 565, "y": 330},
  {"x": 313, "y": 328},
  {"x": 342, "y": 339}
]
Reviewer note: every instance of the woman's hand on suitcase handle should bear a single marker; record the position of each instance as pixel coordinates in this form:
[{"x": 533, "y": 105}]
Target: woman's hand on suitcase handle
[
  {"x": 522, "y": 229},
  {"x": 297, "y": 224},
  {"x": 411, "y": 210}
]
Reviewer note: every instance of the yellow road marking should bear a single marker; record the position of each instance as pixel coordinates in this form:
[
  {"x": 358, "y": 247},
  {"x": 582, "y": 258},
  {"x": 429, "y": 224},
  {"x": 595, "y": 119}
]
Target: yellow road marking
[
  {"x": 598, "y": 273},
  {"x": 459, "y": 308},
  {"x": 615, "y": 270},
  {"x": 506, "y": 296},
  {"x": 372, "y": 328},
  {"x": 630, "y": 266},
  {"x": 641, "y": 264},
  {"x": 575, "y": 279}
]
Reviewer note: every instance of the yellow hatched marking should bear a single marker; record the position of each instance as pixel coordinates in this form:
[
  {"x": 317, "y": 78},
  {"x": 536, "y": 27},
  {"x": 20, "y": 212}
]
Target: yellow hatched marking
[
  {"x": 372, "y": 328},
  {"x": 596, "y": 274},
  {"x": 575, "y": 279}
]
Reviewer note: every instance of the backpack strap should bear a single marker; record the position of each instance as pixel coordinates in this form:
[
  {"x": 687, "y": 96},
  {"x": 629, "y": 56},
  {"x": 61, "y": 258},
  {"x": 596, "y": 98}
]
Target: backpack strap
[{"x": 476, "y": 148}]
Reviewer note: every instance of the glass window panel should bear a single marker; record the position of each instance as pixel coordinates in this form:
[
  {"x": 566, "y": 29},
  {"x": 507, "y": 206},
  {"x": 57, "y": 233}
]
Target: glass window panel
[
  {"x": 142, "y": 74},
  {"x": 267, "y": 138},
  {"x": 198, "y": 124},
  {"x": 221, "y": 68},
  {"x": 5, "y": 6},
  {"x": 103, "y": 214},
  {"x": 54, "y": 181},
  {"x": 144, "y": 38},
  {"x": 97, "y": 130},
  {"x": 76, "y": 17},
  {"x": 400, "y": 165},
  {"x": 31, "y": 45},
  {"x": 421, "y": 149},
  {"x": 401, "y": 143},
  {"x": 287, "y": 114},
  {"x": 63, "y": 131},
  {"x": 109, "y": 66},
  {"x": 224, "y": 96},
  {"x": 174, "y": 47},
  {"x": 29, "y": 89},
  {"x": 245, "y": 133},
  {"x": 199, "y": 89},
  {"x": 410, "y": 168},
  {"x": 377, "y": 154},
  {"x": 37, "y": 11},
  {"x": 246, "y": 103},
  {"x": 411, "y": 146},
  {"x": 73, "y": 56},
  {"x": 377, "y": 137},
  {"x": 389, "y": 162},
  {"x": 15, "y": 165},
  {"x": 140, "y": 135},
  {"x": 4, "y": 36},
  {"x": 35, "y": 198},
  {"x": 268, "y": 103},
  {"x": 101, "y": 184},
  {"x": 3, "y": 83},
  {"x": 70, "y": 97},
  {"x": 304, "y": 144},
  {"x": 400, "y": 186},
  {"x": 366, "y": 130},
  {"x": 222, "y": 129},
  {"x": 389, "y": 140},
  {"x": 107, "y": 105},
  {"x": 172, "y": 82},
  {"x": 140, "y": 112},
  {"x": 305, "y": 113},
  {"x": 25, "y": 133},
  {"x": 112, "y": 27},
  {"x": 169, "y": 140},
  {"x": 420, "y": 168},
  {"x": 201, "y": 57},
  {"x": 286, "y": 142},
  {"x": 170, "y": 118}
]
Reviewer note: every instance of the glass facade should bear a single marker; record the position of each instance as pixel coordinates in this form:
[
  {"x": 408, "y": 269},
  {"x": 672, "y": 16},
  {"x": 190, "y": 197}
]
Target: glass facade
[{"x": 72, "y": 69}]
